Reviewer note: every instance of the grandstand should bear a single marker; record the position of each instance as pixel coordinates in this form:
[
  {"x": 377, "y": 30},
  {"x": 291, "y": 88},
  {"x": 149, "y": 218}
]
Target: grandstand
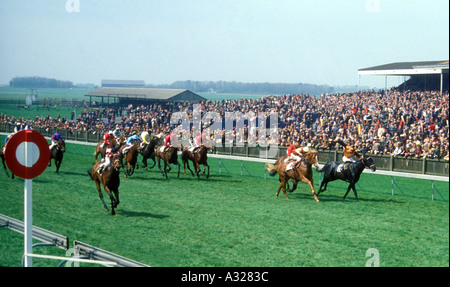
[
  {"x": 425, "y": 75},
  {"x": 138, "y": 96}
]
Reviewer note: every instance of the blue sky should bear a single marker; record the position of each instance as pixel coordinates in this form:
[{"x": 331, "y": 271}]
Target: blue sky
[{"x": 318, "y": 42}]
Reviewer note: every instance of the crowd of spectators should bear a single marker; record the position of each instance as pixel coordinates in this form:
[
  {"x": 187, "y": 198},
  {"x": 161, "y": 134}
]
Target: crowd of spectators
[{"x": 397, "y": 123}]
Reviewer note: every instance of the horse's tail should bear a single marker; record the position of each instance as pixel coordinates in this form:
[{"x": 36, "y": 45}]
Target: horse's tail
[{"x": 271, "y": 168}]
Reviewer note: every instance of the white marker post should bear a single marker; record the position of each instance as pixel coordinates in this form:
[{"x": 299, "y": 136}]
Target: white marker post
[
  {"x": 28, "y": 232},
  {"x": 27, "y": 155}
]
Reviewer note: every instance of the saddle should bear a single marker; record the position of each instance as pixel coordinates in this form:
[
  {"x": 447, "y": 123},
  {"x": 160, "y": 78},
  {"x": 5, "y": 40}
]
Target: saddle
[
  {"x": 293, "y": 165},
  {"x": 343, "y": 166},
  {"x": 193, "y": 149}
]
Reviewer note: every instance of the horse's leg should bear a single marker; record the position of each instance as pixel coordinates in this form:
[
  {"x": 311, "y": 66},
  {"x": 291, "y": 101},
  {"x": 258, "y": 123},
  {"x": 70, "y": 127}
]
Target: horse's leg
[
  {"x": 354, "y": 191},
  {"x": 197, "y": 169},
  {"x": 116, "y": 196},
  {"x": 294, "y": 187},
  {"x": 311, "y": 185},
  {"x": 279, "y": 188},
  {"x": 58, "y": 164},
  {"x": 165, "y": 169},
  {"x": 4, "y": 166},
  {"x": 144, "y": 162},
  {"x": 284, "y": 191},
  {"x": 159, "y": 166},
  {"x": 97, "y": 183},
  {"x": 179, "y": 167},
  {"x": 153, "y": 158},
  {"x": 348, "y": 189},
  {"x": 207, "y": 176},
  {"x": 189, "y": 167},
  {"x": 113, "y": 201}
]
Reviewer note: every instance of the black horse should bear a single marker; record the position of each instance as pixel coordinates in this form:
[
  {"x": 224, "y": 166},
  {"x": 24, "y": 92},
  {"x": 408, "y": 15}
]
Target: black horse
[
  {"x": 2, "y": 156},
  {"x": 148, "y": 151},
  {"x": 349, "y": 172},
  {"x": 57, "y": 153}
]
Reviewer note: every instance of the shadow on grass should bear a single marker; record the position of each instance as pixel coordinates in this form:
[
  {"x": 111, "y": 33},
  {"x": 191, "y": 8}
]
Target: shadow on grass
[
  {"x": 328, "y": 197},
  {"x": 130, "y": 213}
]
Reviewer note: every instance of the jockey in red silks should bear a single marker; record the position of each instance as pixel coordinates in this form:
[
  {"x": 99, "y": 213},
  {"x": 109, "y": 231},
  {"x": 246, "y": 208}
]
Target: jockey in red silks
[
  {"x": 167, "y": 142},
  {"x": 199, "y": 140},
  {"x": 107, "y": 138},
  {"x": 295, "y": 151}
]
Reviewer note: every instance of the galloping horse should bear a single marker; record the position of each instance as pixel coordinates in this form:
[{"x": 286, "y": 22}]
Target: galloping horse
[
  {"x": 115, "y": 142},
  {"x": 198, "y": 157},
  {"x": 286, "y": 170},
  {"x": 348, "y": 172},
  {"x": 148, "y": 151},
  {"x": 57, "y": 154},
  {"x": 110, "y": 180},
  {"x": 130, "y": 158},
  {"x": 169, "y": 157},
  {"x": 2, "y": 155}
]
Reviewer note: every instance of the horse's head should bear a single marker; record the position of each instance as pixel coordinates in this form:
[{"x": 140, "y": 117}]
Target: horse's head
[
  {"x": 62, "y": 145},
  {"x": 311, "y": 156},
  {"x": 116, "y": 163},
  {"x": 368, "y": 162}
]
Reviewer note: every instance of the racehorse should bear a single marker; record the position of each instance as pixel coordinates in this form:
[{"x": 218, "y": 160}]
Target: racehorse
[
  {"x": 115, "y": 142},
  {"x": 200, "y": 156},
  {"x": 286, "y": 170},
  {"x": 148, "y": 151},
  {"x": 2, "y": 155},
  {"x": 350, "y": 173},
  {"x": 130, "y": 158},
  {"x": 57, "y": 154},
  {"x": 169, "y": 157},
  {"x": 110, "y": 180}
]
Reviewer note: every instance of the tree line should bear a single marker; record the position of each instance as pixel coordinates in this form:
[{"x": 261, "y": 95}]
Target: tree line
[
  {"x": 39, "y": 82},
  {"x": 254, "y": 88}
]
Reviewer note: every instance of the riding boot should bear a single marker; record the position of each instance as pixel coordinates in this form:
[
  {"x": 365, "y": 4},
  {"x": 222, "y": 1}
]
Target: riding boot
[{"x": 100, "y": 170}]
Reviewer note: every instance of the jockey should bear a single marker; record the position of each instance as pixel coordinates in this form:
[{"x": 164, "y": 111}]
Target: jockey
[
  {"x": 117, "y": 133},
  {"x": 296, "y": 152},
  {"x": 106, "y": 161},
  {"x": 6, "y": 141},
  {"x": 146, "y": 138},
  {"x": 56, "y": 137},
  {"x": 198, "y": 142},
  {"x": 167, "y": 142},
  {"x": 130, "y": 141},
  {"x": 349, "y": 151},
  {"x": 107, "y": 139}
]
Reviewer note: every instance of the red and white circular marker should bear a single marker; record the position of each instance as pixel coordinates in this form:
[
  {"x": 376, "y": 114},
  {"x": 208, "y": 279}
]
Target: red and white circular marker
[{"x": 27, "y": 154}]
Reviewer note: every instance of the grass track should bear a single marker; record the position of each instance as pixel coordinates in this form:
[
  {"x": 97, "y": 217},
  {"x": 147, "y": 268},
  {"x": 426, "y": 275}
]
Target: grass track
[{"x": 232, "y": 220}]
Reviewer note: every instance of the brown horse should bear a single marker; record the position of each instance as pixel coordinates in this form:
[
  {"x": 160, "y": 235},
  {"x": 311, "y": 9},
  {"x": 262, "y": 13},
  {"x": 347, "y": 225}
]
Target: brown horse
[
  {"x": 57, "y": 154},
  {"x": 303, "y": 172},
  {"x": 169, "y": 157},
  {"x": 130, "y": 158},
  {"x": 198, "y": 157},
  {"x": 2, "y": 155},
  {"x": 115, "y": 142},
  {"x": 109, "y": 179}
]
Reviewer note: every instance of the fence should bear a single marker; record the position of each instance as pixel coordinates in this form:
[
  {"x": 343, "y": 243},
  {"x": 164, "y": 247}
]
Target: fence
[
  {"x": 83, "y": 252},
  {"x": 383, "y": 162}
]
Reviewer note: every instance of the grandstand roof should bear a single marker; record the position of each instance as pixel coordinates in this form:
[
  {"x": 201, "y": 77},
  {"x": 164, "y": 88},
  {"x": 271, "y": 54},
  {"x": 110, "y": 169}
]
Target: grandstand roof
[
  {"x": 407, "y": 68},
  {"x": 146, "y": 94}
]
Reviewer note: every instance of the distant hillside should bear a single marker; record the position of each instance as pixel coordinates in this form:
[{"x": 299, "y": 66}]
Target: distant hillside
[{"x": 254, "y": 88}]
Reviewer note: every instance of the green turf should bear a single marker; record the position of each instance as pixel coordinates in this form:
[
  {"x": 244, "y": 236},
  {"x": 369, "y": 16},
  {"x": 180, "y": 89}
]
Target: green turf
[{"x": 232, "y": 220}]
